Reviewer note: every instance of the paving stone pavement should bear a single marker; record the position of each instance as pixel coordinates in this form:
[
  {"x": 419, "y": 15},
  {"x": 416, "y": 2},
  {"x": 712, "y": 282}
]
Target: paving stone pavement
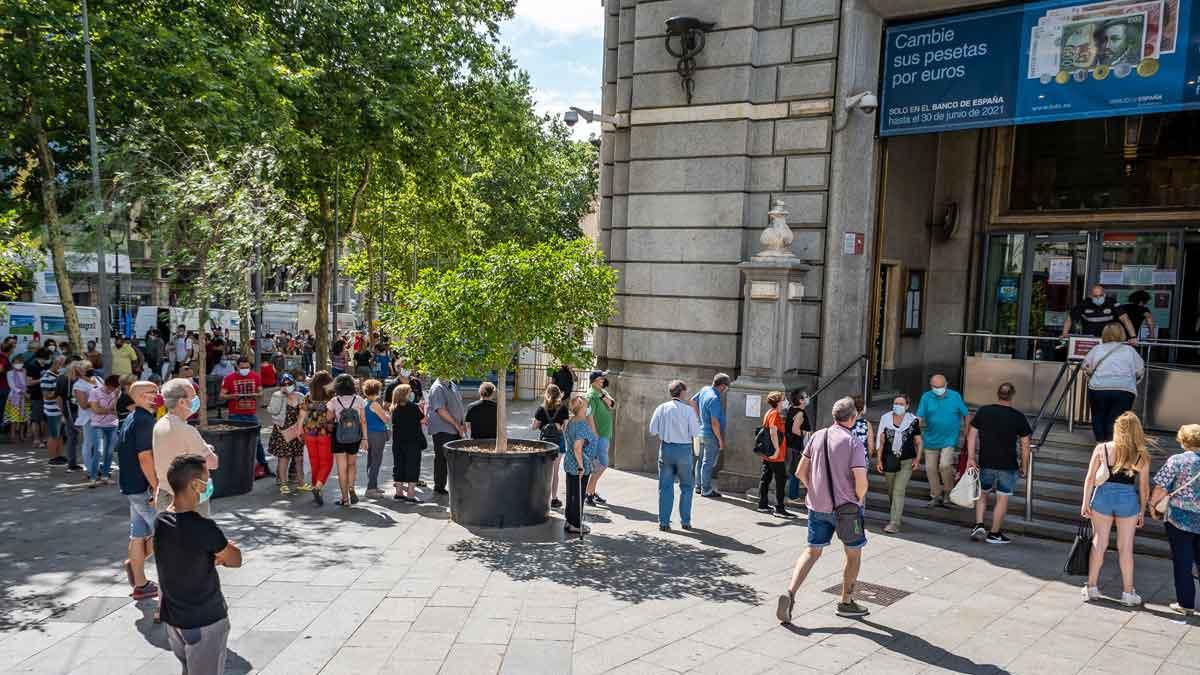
[{"x": 385, "y": 588}]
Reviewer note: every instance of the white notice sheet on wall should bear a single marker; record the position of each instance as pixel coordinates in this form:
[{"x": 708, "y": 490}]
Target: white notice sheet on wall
[
  {"x": 753, "y": 405},
  {"x": 1060, "y": 270}
]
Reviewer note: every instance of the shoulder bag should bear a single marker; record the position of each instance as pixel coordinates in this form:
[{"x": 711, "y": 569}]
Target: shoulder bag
[
  {"x": 849, "y": 524},
  {"x": 1160, "y": 506},
  {"x": 1105, "y": 471}
]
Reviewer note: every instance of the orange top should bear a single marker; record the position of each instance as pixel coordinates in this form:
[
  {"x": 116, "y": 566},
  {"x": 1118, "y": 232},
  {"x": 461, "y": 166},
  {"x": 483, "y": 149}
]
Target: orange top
[{"x": 774, "y": 419}]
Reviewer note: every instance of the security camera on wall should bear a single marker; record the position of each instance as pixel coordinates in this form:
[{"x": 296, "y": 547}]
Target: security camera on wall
[
  {"x": 571, "y": 118},
  {"x": 869, "y": 104}
]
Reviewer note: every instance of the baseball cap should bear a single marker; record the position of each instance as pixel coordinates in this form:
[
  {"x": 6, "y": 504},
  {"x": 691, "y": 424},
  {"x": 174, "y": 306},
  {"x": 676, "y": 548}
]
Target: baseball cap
[{"x": 596, "y": 374}]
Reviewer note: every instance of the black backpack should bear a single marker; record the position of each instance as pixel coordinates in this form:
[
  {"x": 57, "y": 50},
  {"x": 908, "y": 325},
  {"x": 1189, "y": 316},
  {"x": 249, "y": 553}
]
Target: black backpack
[
  {"x": 762, "y": 442},
  {"x": 550, "y": 431},
  {"x": 349, "y": 426}
]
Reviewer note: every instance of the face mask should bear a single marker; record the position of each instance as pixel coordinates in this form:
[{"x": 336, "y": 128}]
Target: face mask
[
  {"x": 290, "y": 388},
  {"x": 1098, "y": 301},
  {"x": 243, "y": 371},
  {"x": 899, "y": 409},
  {"x": 940, "y": 391},
  {"x": 195, "y": 407},
  {"x": 158, "y": 401},
  {"x": 18, "y": 365},
  {"x": 206, "y": 493}
]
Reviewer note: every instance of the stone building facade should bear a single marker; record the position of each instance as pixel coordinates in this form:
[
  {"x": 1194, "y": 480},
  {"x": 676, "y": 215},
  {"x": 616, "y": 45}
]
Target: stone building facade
[{"x": 686, "y": 189}]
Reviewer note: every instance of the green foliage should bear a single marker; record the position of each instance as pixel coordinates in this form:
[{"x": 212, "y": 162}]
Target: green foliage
[{"x": 468, "y": 320}]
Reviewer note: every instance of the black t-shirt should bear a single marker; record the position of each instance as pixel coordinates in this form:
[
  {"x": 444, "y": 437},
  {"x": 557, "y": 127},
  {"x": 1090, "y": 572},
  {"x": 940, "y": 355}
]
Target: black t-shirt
[
  {"x": 481, "y": 415},
  {"x": 564, "y": 380},
  {"x": 136, "y": 436},
  {"x": 545, "y": 419},
  {"x": 33, "y": 368},
  {"x": 1137, "y": 316},
  {"x": 62, "y": 388},
  {"x": 362, "y": 359},
  {"x": 1089, "y": 318},
  {"x": 1000, "y": 428},
  {"x": 124, "y": 401},
  {"x": 406, "y": 424},
  {"x": 908, "y": 443},
  {"x": 184, "y": 546}
]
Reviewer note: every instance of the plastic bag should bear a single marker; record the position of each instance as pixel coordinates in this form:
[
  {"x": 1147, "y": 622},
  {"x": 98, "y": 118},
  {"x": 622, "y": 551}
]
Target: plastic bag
[{"x": 966, "y": 491}]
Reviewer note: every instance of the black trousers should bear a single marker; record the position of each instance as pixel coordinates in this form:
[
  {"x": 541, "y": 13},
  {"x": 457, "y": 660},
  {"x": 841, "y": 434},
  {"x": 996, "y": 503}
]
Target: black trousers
[
  {"x": 1107, "y": 406},
  {"x": 406, "y": 462},
  {"x": 575, "y": 487},
  {"x": 778, "y": 472},
  {"x": 439, "y": 458}
]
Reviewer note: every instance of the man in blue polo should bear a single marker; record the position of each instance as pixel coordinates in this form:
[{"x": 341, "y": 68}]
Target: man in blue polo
[
  {"x": 942, "y": 413},
  {"x": 710, "y": 406}
]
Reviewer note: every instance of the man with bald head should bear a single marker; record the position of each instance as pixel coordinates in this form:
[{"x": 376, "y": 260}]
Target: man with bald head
[{"x": 942, "y": 412}]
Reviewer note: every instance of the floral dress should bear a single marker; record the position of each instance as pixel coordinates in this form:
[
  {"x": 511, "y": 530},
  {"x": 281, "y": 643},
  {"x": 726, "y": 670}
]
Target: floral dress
[
  {"x": 16, "y": 408},
  {"x": 280, "y": 446}
]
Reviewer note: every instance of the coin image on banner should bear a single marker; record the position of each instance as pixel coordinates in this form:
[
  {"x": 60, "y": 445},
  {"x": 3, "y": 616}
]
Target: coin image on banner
[
  {"x": 1080, "y": 75},
  {"x": 1122, "y": 70},
  {"x": 1101, "y": 72},
  {"x": 1062, "y": 77},
  {"x": 1147, "y": 68}
]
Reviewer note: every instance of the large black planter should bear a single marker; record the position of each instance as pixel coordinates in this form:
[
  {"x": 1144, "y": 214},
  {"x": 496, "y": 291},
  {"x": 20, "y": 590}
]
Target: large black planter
[
  {"x": 235, "y": 443},
  {"x": 510, "y": 489}
]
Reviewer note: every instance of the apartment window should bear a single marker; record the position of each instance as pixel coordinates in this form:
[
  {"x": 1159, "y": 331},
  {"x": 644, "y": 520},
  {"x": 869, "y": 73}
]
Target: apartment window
[{"x": 914, "y": 302}]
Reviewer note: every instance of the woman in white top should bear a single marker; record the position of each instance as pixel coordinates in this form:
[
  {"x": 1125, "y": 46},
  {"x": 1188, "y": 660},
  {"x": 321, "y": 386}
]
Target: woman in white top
[
  {"x": 345, "y": 455},
  {"x": 81, "y": 391},
  {"x": 1114, "y": 370}
]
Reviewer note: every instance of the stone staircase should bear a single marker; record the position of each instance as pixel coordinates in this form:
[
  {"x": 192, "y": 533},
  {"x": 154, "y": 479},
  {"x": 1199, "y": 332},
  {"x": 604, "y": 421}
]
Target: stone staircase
[{"x": 1058, "y": 472}]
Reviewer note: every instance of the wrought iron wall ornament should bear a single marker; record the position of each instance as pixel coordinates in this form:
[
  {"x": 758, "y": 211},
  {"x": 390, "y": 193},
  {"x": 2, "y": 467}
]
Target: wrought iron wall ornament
[{"x": 690, "y": 34}]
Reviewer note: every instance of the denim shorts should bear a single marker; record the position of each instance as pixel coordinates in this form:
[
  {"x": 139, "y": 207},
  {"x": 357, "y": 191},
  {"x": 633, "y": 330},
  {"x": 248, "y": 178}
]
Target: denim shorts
[
  {"x": 602, "y": 453},
  {"x": 821, "y": 527},
  {"x": 1119, "y": 500},
  {"x": 1001, "y": 480},
  {"x": 141, "y": 516}
]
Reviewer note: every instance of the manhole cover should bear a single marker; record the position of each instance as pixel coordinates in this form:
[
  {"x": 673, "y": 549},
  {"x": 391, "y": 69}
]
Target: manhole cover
[{"x": 872, "y": 593}]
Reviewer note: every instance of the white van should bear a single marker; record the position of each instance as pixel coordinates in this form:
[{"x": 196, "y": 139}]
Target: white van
[
  {"x": 167, "y": 319},
  {"x": 22, "y": 319}
]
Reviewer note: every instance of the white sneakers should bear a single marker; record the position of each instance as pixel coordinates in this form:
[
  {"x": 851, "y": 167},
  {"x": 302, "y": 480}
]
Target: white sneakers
[{"x": 1131, "y": 599}]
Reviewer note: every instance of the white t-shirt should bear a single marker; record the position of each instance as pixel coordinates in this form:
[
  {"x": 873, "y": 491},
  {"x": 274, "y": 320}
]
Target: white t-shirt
[
  {"x": 182, "y": 347},
  {"x": 86, "y": 387}
]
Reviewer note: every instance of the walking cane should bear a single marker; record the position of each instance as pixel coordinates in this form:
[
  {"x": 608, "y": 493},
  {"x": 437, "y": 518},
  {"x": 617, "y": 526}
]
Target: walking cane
[{"x": 581, "y": 503}]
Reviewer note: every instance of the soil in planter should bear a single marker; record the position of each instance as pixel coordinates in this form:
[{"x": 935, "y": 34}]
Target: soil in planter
[{"x": 514, "y": 448}]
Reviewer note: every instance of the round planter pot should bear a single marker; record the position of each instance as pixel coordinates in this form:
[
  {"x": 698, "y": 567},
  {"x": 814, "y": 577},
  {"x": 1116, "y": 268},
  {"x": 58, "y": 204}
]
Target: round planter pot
[
  {"x": 235, "y": 444},
  {"x": 508, "y": 489}
]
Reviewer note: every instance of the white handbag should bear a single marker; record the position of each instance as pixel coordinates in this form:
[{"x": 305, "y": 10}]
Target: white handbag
[{"x": 967, "y": 491}]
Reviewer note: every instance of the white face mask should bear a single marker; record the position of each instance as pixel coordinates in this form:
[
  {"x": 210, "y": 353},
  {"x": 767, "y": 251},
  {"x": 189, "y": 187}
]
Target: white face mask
[
  {"x": 243, "y": 371},
  {"x": 899, "y": 409},
  {"x": 940, "y": 391},
  {"x": 289, "y": 388}
]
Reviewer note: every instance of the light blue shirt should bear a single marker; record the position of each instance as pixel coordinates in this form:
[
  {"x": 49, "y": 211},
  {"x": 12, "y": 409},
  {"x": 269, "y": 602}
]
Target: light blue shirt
[
  {"x": 579, "y": 430},
  {"x": 675, "y": 422},
  {"x": 708, "y": 400},
  {"x": 942, "y": 417}
]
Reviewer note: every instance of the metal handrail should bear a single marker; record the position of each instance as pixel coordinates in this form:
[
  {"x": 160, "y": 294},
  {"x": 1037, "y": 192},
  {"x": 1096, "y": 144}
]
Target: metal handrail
[
  {"x": 1148, "y": 343},
  {"x": 1068, "y": 392},
  {"x": 813, "y": 396}
]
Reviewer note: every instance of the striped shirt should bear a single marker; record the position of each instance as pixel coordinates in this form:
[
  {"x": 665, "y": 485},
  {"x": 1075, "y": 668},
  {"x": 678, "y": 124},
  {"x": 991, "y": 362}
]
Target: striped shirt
[{"x": 48, "y": 382}]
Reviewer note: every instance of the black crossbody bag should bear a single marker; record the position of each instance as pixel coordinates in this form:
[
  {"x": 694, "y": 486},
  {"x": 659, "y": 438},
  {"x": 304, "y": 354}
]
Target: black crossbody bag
[{"x": 849, "y": 525}]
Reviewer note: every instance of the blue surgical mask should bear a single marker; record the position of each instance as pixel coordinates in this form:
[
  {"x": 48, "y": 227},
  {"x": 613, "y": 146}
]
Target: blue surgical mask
[
  {"x": 899, "y": 409},
  {"x": 195, "y": 405},
  {"x": 1098, "y": 301},
  {"x": 206, "y": 494},
  {"x": 940, "y": 391},
  {"x": 243, "y": 371}
]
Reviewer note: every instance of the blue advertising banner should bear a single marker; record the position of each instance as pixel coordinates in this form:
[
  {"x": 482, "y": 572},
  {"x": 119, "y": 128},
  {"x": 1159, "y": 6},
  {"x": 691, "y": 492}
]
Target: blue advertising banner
[{"x": 1040, "y": 62}]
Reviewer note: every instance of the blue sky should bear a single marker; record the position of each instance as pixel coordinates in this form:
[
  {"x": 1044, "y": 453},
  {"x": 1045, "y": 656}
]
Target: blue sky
[{"x": 560, "y": 43}]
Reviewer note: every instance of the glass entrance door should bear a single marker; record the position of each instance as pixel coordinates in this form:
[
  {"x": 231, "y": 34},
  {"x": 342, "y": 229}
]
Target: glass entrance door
[{"x": 1056, "y": 272}]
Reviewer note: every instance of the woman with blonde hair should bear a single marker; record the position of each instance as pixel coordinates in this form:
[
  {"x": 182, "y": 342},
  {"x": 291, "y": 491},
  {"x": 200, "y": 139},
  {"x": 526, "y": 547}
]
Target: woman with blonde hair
[
  {"x": 1178, "y": 482},
  {"x": 1114, "y": 370},
  {"x": 550, "y": 420},
  {"x": 1117, "y": 487}
]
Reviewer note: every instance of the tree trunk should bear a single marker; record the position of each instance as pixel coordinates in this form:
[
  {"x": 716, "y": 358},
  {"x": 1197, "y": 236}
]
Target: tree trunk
[
  {"x": 54, "y": 234},
  {"x": 502, "y": 411},
  {"x": 356, "y": 208},
  {"x": 321, "y": 315},
  {"x": 202, "y": 351}
]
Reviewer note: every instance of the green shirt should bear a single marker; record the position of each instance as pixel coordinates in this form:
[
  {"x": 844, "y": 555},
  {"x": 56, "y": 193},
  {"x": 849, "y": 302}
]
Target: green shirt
[
  {"x": 122, "y": 360},
  {"x": 600, "y": 413}
]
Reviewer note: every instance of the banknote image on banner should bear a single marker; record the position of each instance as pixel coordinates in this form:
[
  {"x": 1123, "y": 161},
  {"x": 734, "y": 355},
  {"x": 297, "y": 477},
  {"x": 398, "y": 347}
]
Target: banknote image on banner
[{"x": 1067, "y": 60}]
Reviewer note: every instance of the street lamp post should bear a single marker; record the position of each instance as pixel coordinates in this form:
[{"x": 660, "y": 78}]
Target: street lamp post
[{"x": 102, "y": 227}]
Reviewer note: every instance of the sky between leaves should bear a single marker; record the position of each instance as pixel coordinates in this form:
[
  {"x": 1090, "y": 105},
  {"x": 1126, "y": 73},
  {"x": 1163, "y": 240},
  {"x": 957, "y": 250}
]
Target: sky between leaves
[{"x": 560, "y": 44}]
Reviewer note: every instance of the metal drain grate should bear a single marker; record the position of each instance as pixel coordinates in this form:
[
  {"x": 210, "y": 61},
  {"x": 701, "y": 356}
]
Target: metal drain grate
[{"x": 872, "y": 593}]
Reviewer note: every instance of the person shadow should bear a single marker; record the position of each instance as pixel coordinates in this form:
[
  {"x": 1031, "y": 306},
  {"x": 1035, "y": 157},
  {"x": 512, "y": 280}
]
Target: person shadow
[
  {"x": 906, "y": 645},
  {"x": 156, "y": 634}
]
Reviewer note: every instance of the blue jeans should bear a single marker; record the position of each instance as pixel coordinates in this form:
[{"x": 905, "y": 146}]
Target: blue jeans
[
  {"x": 675, "y": 462},
  {"x": 1185, "y": 553},
  {"x": 98, "y": 450},
  {"x": 259, "y": 454},
  {"x": 709, "y": 449}
]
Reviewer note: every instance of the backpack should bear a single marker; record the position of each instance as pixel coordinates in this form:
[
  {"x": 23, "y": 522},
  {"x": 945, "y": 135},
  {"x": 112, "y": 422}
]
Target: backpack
[
  {"x": 550, "y": 431},
  {"x": 762, "y": 442},
  {"x": 277, "y": 407},
  {"x": 349, "y": 425}
]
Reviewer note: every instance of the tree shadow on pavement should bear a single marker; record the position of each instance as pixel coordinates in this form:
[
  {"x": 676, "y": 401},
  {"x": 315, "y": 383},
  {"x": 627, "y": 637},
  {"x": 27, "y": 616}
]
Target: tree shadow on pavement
[
  {"x": 906, "y": 645},
  {"x": 633, "y": 568}
]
